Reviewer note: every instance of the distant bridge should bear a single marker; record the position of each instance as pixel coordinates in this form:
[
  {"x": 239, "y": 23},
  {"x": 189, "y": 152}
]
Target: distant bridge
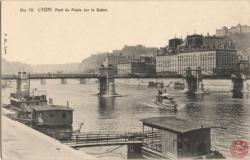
[
  {"x": 55, "y": 76},
  {"x": 95, "y": 76},
  {"x": 107, "y": 77}
]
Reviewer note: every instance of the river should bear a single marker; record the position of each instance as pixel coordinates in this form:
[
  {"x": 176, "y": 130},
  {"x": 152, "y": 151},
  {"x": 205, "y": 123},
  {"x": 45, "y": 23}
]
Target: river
[{"x": 220, "y": 108}]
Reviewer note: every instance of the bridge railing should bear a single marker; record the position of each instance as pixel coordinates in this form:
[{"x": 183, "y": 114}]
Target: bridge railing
[
  {"x": 55, "y": 75},
  {"x": 103, "y": 138}
]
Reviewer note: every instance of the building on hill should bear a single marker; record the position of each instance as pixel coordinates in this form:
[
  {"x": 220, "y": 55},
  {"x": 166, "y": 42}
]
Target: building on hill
[
  {"x": 224, "y": 31},
  {"x": 112, "y": 59},
  {"x": 145, "y": 66},
  {"x": 133, "y": 53}
]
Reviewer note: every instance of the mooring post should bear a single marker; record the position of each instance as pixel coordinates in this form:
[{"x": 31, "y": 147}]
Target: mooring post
[{"x": 134, "y": 151}]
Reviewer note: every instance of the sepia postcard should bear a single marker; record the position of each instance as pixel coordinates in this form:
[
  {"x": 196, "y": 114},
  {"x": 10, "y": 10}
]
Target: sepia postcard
[{"x": 112, "y": 80}]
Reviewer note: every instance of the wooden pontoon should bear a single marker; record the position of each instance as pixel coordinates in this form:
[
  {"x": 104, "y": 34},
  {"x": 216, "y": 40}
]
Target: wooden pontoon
[{"x": 176, "y": 138}]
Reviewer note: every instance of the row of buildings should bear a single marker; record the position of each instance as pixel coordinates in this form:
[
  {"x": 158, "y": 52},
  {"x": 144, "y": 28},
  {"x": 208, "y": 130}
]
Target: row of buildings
[
  {"x": 129, "y": 65},
  {"x": 216, "y": 55}
]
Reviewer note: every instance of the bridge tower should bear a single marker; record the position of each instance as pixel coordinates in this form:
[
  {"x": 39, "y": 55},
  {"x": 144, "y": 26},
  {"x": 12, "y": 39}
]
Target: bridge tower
[
  {"x": 43, "y": 81},
  {"x": 239, "y": 80},
  {"x": 63, "y": 81},
  {"x": 22, "y": 84},
  {"x": 194, "y": 81},
  {"x": 82, "y": 80},
  {"x": 107, "y": 82}
]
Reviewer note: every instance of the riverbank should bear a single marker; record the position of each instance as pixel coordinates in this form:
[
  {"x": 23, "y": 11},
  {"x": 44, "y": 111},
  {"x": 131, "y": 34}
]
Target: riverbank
[{"x": 22, "y": 142}]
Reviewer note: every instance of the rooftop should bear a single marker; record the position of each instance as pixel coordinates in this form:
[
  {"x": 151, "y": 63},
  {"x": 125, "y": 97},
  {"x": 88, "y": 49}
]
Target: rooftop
[
  {"x": 51, "y": 107},
  {"x": 173, "y": 124}
]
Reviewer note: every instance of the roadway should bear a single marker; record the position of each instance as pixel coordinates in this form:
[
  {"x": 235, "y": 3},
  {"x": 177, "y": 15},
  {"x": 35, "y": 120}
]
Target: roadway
[{"x": 21, "y": 142}]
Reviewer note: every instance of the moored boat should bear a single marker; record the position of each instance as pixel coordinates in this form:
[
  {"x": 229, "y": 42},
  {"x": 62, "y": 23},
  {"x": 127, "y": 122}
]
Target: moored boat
[
  {"x": 179, "y": 85},
  {"x": 155, "y": 84},
  {"x": 32, "y": 108}
]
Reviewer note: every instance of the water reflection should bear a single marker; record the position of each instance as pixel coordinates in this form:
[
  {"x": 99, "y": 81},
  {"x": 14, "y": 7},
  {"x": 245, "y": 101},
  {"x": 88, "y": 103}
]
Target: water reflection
[
  {"x": 240, "y": 95},
  {"x": 237, "y": 95},
  {"x": 106, "y": 107},
  {"x": 194, "y": 97}
]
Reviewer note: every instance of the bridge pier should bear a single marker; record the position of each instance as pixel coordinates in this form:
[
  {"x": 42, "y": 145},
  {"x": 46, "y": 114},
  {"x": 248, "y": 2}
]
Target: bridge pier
[
  {"x": 43, "y": 81},
  {"x": 134, "y": 151},
  {"x": 107, "y": 83},
  {"x": 63, "y": 81},
  {"x": 82, "y": 80},
  {"x": 194, "y": 82},
  {"x": 239, "y": 80},
  {"x": 239, "y": 83}
]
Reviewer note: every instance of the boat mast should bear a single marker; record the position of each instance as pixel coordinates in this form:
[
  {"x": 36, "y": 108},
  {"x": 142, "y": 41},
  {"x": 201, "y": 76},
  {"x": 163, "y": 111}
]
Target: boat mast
[{"x": 29, "y": 85}]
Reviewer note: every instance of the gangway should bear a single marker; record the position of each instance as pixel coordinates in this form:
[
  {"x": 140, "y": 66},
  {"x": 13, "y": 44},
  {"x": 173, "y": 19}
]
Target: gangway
[{"x": 80, "y": 140}]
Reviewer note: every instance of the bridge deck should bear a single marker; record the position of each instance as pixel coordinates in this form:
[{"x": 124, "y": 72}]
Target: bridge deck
[{"x": 98, "y": 76}]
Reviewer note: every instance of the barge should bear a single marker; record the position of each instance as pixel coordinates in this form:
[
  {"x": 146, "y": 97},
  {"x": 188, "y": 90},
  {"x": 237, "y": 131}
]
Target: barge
[{"x": 32, "y": 108}]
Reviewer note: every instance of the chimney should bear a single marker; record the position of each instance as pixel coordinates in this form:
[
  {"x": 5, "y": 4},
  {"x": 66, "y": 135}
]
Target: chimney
[{"x": 68, "y": 104}]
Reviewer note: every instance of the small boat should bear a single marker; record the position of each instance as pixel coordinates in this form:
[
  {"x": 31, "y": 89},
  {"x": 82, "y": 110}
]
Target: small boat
[
  {"x": 164, "y": 101},
  {"x": 155, "y": 84},
  {"x": 179, "y": 85}
]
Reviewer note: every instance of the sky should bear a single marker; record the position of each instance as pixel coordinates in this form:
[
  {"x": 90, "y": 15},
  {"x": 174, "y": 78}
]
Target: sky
[{"x": 68, "y": 37}]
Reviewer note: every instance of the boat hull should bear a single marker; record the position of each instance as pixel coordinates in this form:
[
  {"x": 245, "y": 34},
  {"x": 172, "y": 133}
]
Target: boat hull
[{"x": 165, "y": 106}]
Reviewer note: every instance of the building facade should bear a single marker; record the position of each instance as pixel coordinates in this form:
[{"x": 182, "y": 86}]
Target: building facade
[
  {"x": 166, "y": 65},
  {"x": 135, "y": 68},
  {"x": 113, "y": 60},
  {"x": 212, "y": 62}
]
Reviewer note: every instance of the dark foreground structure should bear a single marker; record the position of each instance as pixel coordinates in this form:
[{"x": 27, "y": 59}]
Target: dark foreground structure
[{"x": 176, "y": 138}]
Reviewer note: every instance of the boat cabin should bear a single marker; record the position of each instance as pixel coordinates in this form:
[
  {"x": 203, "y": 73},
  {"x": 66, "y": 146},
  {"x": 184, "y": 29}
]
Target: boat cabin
[
  {"x": 52, "y": 115},
  {"x": 176, "y": 138},
  {"x": 22, "y": 104}
]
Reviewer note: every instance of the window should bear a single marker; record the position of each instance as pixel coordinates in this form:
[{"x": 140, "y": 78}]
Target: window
[
  {"x": 51, "y": 115},
  {"x": 64, "y": 115}
]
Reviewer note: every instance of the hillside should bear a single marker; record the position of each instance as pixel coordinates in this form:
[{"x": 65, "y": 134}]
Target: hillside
[
  {"x": 242, "y": 40},
  {"x": 54, "y": 68},
  {"x": 14, "y": 67},
  {"x": 9, "y": 67},
  {"x": 90, "y": 64}
]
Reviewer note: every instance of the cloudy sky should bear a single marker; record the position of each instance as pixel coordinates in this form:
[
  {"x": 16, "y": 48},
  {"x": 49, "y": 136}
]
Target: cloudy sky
[{"x": 53, "y": 37}]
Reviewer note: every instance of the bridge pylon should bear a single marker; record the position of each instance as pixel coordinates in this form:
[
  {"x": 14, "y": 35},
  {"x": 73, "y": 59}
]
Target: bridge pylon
[
  {"x": 43, "y": 81},
  {"x": 107, "y": 82},
  {"x": 194, "y": 80},
  {"x": 239, "y": 79},
  {"x": 82, "y": 80},
  {"x": 63, "y": 81}
]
